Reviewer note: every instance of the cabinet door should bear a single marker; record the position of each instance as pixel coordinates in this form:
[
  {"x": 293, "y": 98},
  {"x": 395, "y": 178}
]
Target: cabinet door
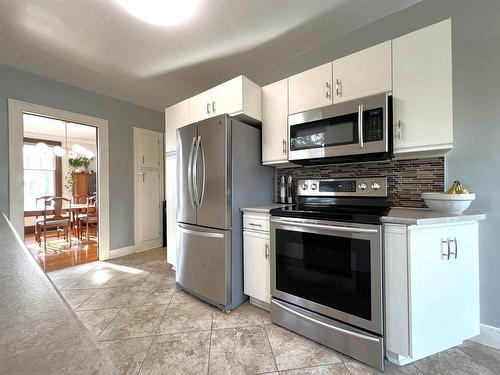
[
  {"x": 228, "y": 97},
  {"x": 310, "y": 89},
  {"x": 363, "y": 73},
  {"x": 171, "y": 197},
  {"x": 200, "y": 106},
  {"x": 422, "y": 90},
  {"x": 275, "y": 122},
  {"x": 150, "y": 150},
  {"x": 444, "y": 293},
  {"x": 175, "y": 117},
  {"x": 256, "y": 265}
]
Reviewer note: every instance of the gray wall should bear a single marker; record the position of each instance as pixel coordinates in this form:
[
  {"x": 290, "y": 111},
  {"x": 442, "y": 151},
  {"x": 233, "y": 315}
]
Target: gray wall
[
  {"x": 122, "y": 117},
  {"x": 475, "y": 158}
]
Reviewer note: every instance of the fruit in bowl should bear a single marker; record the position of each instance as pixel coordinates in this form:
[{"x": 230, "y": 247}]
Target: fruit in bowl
[{"x": 455, "y": 201}]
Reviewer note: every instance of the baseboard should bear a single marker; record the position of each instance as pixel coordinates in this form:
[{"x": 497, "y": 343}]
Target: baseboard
[
  {"x": 489, "y": 336},
  {"x": 150, "y": 245},
  {"x": 122, "y": 251}
]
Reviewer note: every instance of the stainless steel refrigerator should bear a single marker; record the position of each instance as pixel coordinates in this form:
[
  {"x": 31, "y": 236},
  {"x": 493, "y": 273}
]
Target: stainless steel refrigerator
[{"x": 219, "y": 171}]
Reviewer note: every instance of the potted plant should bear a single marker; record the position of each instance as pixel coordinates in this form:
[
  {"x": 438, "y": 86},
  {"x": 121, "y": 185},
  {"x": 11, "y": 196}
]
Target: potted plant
[{"x": 77, "y": 164}]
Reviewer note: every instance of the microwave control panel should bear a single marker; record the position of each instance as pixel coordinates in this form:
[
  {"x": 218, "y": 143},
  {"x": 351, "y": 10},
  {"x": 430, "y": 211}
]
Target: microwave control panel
[{"x": 373, "y": 126}]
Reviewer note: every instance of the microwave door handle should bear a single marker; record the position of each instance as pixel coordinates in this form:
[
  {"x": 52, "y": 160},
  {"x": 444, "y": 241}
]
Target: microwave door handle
[{"x": 361, "y": 109}]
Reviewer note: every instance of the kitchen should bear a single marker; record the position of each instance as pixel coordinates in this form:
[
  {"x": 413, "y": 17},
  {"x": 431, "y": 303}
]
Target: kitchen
[{"x": 329, "y": 209}]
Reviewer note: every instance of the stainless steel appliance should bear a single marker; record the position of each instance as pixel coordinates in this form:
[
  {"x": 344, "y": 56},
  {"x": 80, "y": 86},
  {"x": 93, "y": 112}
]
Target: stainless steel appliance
[
  {"x": 357, "y": 130},
  {"x": 218, "y": 171},
  {"x": 326, "y": 265}
]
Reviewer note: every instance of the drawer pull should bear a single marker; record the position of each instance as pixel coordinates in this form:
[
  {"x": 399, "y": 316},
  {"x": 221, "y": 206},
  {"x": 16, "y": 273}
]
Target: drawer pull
[
  {"x": 447, "y": 253},
  {"x": 255, "y": 225},
  {"x": 455, "y": 253},
  {"x": 266, "y": 253}
]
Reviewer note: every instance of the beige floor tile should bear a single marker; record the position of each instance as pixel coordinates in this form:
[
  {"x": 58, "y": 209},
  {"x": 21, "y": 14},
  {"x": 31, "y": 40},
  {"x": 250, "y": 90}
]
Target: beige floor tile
[
  {"x": 243, "y": 316},
  {"x": 181, "y": 296},
  {"x": 451, "y": 362},
  {"x": 159, "y": 278},
  {"x": 61, "y": 281},
  {"x": 76, "y": 297},
  {"x": 335, "y": 369},
  {"x": 294, "y": 351},
  {"x": 127, "y": 354},
  {"x": 76, "y": 270},
  {"x": 266, "y": 316},
  {"x": 97, "y": 320},
  {"x": 241, "y": 351},
  {"x": 126, "y": 279},
  {"x": 106, "y": 298},
  {"x": 358, "y": 368},
  {"x": 485, "y": 355},
  {"x": 153, "y": 294},
  {"x": 183, "y": 353},
  {"x": 187, "y": 317},
  {"x": 134, "y": 321},
  {"x": 92, "y": 279}
]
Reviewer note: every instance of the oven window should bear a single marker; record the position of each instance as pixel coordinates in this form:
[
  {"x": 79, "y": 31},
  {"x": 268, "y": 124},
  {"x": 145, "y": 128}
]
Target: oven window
[
  {"x": 335, "y": 131},
  {"x": 329, "y": 270}
]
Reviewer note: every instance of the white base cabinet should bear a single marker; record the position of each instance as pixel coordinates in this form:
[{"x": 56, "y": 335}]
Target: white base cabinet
[
  {"x": 256, "y": 252},
  {"x": 432, "y": 288}
]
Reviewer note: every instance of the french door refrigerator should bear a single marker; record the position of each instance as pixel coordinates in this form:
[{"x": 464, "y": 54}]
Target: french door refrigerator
[{"x": 219, "y": 171}]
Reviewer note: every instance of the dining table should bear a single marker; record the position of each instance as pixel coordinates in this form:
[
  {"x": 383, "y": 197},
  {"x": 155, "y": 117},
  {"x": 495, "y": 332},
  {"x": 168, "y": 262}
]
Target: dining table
[{"x": 49, "y": 210}]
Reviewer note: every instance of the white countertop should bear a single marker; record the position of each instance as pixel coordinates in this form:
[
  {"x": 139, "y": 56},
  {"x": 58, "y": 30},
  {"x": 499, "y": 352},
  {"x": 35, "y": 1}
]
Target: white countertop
[
  {"x": 265, "y": 208},
  {"x": 422, "y": 216}
]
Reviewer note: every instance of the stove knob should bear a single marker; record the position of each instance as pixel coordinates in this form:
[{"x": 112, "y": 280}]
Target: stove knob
[
  {"x": 304, "y": 187},
  {"x": 362, "y": 186},
  {"x": 375, "y": 185},
  {"x": 314, "y": 186}
]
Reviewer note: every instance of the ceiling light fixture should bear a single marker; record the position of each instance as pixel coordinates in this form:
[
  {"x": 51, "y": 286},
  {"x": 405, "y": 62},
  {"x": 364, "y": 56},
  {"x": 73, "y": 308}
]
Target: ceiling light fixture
[{"x": 160, "y": 12}]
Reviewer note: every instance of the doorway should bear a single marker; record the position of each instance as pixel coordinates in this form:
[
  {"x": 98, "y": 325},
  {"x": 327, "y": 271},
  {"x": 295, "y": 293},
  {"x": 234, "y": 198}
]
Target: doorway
[
  {"x": 61, "y": 217},
  {"x": 49, "y": 173}
]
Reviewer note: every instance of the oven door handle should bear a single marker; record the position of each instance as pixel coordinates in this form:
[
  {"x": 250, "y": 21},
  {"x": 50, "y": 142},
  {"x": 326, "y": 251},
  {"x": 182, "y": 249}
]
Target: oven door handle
[
  {"x": 328, "y": 326},
  {"x": 327, "y": 227}
]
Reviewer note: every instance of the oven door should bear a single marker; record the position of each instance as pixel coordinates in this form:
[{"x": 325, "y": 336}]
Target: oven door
[
  {"x": 331, "y": 268},
  {"x": 352, "y": 128}
]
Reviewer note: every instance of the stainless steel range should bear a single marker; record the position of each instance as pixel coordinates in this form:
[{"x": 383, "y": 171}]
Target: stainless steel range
[{"x": 326, "y": 265}]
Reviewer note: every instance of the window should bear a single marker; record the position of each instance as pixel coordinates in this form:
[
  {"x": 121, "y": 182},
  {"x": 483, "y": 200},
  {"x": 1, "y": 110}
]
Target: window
[{"x": 42, "y": 170}]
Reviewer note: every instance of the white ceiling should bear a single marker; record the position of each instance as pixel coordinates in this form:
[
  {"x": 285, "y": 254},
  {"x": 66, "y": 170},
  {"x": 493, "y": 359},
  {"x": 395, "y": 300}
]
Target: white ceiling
[
  {"x": 52, "y": 129},
  {"x": 95, "y": 44}
]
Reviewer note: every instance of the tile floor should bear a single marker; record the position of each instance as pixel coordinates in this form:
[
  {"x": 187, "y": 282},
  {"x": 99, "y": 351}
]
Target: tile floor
[{"x": 149, "y": 326}]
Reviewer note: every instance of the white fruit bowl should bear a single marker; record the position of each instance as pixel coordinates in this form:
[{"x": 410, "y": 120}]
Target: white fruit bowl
[{"x": 449, "y": 203}]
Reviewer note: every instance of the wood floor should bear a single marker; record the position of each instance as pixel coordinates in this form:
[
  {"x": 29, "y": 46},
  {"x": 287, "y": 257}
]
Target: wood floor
[{"x": 59, "y": 255}]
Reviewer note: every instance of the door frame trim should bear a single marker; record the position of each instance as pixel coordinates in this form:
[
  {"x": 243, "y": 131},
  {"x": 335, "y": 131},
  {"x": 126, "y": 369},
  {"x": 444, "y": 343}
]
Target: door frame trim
[
  {"x": 16, "y": 109},
  {"x": 147, "y": 245}
]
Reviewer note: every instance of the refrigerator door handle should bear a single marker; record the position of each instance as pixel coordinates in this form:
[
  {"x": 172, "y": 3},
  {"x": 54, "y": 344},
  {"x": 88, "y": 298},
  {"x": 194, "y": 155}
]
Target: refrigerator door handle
[
  {"x": 196, "y": 141},
  {"x": 200, "y": 147},
  {"x": 190, "y": 174}
]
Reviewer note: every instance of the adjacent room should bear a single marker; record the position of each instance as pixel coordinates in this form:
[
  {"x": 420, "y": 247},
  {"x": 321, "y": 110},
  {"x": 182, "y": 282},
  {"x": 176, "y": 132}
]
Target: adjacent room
[
  {"x": 282, "y": 187},
  {"x": 60, "y": 192}
]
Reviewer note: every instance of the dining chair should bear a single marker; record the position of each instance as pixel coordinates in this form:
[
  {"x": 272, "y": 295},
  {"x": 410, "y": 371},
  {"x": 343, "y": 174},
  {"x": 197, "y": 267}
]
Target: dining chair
[
  {"x": 38, "y": 217},
  {"x": 88, "y": 218},
  {"x": 53, "y": 218}
]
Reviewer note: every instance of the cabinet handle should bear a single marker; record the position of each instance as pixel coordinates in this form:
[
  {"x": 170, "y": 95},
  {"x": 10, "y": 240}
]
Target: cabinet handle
[
  {"x": 255, "y": 225},
  {"x": 446, "y": 253},
  {"x": 208, "y": 108},
  {"x": 284, "y": 146},
  {"x": 399, "y": 130},
  {"x": 338, "y": 87},
  {"x": 455, "y": 253},
  {"x": 266, "y": 254},
  {"x": 327, "y": 90},
  {"x": 213, "y": 106}
]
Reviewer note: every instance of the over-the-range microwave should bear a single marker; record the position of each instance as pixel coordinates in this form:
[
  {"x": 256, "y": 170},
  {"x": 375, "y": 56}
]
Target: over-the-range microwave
[{"x": 353, "y": 131}]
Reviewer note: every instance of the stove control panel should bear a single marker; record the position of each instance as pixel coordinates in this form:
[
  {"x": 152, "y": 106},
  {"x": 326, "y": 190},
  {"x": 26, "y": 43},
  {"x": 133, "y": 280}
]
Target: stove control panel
[{"x": 363, "y": 186}]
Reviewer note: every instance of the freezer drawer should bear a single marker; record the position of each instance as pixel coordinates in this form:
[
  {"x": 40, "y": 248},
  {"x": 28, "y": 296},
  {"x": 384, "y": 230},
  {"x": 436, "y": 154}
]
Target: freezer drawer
[{"x": 203, "y": 262}]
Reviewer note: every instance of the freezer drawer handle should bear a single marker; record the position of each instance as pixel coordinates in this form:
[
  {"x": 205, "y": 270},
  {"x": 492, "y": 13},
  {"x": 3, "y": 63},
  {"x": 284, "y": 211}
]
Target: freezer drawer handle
[
  {"x": 201, "y": 234},
  {"x": 328, "y": 326}
]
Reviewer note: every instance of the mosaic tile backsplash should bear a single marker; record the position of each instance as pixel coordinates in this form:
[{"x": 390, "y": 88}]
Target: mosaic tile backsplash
[{"x": 406, "y": 179}]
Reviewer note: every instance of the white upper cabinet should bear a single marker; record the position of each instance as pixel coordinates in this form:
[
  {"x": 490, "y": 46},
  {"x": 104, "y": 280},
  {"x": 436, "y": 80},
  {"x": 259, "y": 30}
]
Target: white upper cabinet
[
  {"x": 363, "y": 73},
  {"x": 150, "y": 150},
  {"x": 200, "y": 106},
  {"x": 175, "y": 117},
  {"x": 275, "y": 122},
  {"x": 310, "y": 89},
  {"x": 422, "y": 91}
]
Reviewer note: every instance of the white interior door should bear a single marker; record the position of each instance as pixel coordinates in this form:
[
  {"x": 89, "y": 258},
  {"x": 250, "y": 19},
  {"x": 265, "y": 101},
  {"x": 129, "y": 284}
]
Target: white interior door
[{"x": 148, "y": 189}]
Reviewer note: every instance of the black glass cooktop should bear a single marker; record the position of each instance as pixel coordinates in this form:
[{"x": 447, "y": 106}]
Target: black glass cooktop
[{"x": 358, "y": 213}]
